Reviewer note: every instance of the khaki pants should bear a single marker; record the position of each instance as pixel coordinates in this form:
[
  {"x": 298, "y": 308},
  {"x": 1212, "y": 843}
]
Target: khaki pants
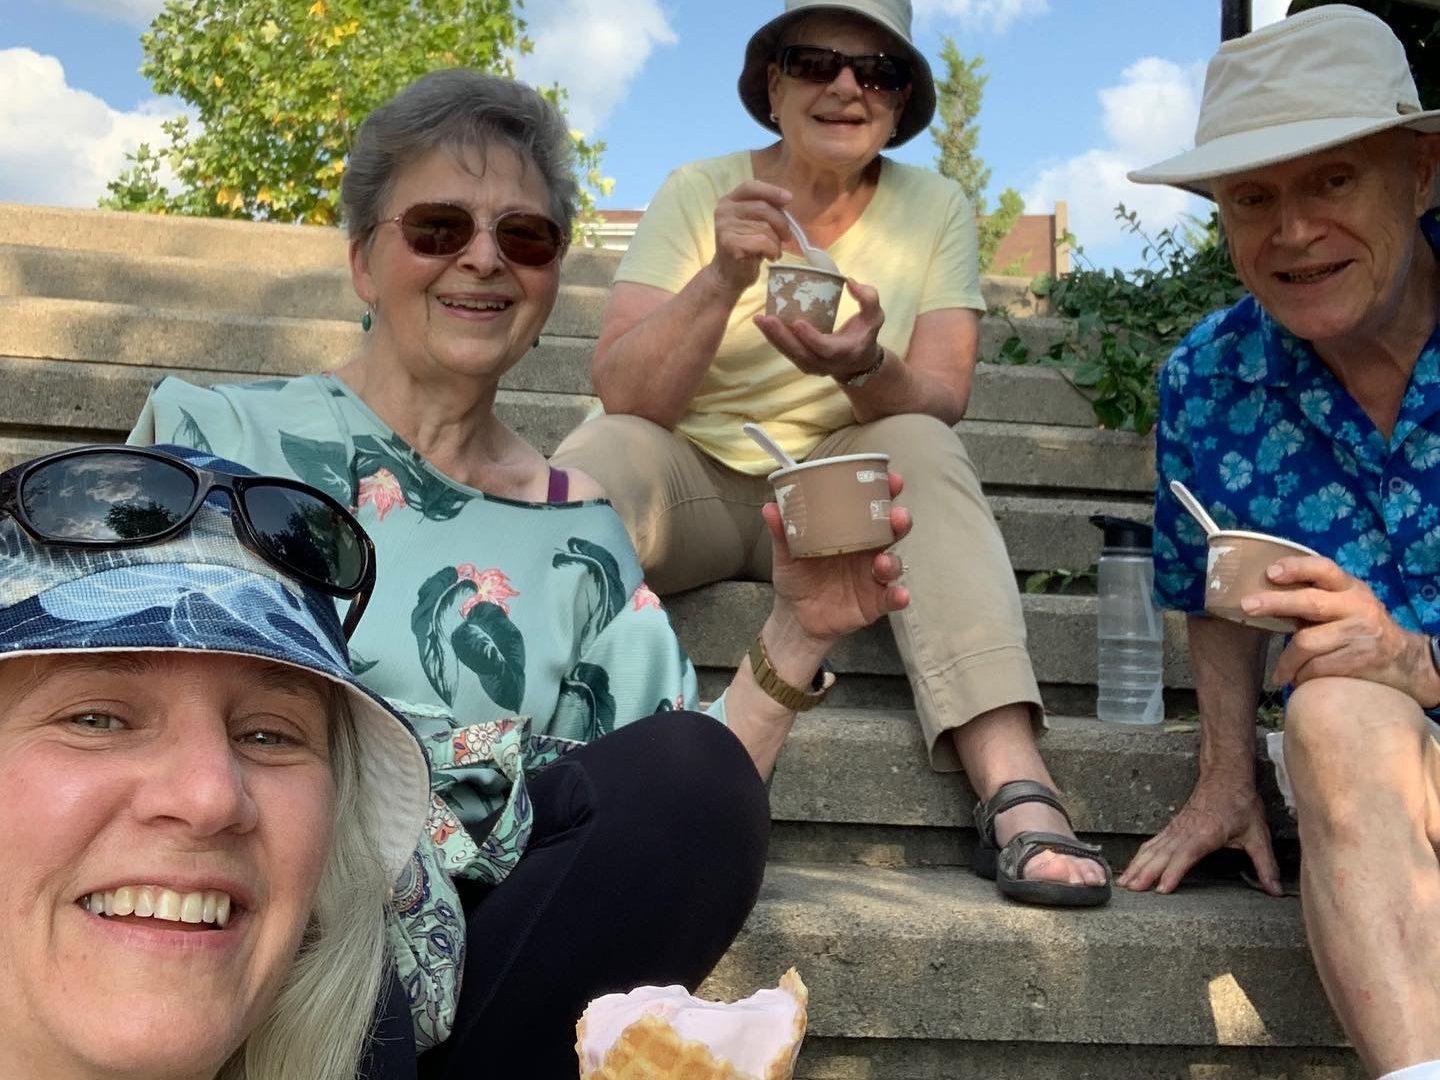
[{"x": 694, "y": 521}]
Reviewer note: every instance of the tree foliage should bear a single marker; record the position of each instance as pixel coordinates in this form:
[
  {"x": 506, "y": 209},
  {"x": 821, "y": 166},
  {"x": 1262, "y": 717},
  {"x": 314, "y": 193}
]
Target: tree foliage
[
  {"x": 958, "y": 98},
  {"x": 277, "y": 88}
]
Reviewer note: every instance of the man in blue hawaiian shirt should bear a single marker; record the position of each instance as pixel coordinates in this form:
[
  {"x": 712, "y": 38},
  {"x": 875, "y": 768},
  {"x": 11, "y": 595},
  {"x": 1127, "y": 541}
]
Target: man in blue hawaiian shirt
[{"x": 1311, "y": 410}]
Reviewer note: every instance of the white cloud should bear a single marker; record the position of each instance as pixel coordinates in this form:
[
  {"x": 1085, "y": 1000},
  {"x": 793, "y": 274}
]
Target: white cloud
[
  {"x": 59, "y": 145},
  {"x": 994, "y": 15},
  {"x": 1148, "y": 117},
  {"x": 139, "y": 12},
  {"x": 593, "y": 48},
  {"x": 1265, "y": 12}
]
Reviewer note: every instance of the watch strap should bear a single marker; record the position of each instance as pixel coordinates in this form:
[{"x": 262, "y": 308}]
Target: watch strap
[
  {"x": 781, "y": 692},
  {"x": 860, "y": 378}
]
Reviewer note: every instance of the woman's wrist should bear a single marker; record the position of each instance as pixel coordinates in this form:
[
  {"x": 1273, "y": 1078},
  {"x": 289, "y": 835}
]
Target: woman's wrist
[
  {"x": 795, "y": 653},
  {"x": 720, "y": 285}
]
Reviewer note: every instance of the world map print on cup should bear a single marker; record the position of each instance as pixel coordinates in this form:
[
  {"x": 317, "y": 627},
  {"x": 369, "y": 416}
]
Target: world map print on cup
[{"x": 804, "y": 294}]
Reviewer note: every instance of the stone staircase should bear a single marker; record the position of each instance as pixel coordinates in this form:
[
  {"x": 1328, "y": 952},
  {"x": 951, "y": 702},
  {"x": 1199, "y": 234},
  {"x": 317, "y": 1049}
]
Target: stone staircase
[{"x": 916, "y": 968}]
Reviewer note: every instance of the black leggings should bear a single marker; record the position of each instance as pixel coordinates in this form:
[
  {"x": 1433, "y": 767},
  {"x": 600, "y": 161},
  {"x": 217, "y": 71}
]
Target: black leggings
[{"x": 647, "y": 855}]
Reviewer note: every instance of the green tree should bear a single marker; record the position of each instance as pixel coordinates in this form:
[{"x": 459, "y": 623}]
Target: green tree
[
  {"x": 959, "y": 96},
  {"x": 278, "y": 87}
]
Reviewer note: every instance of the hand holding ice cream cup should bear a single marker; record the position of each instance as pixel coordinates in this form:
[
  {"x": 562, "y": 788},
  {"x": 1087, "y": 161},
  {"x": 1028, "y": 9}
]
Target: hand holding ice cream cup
[{"x": 1238, "y": 566}]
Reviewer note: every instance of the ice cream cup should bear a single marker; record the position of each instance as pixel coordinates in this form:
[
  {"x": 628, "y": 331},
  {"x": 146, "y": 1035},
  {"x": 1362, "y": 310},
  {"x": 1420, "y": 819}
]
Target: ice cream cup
[
  {"x": 831, "y": 506},
  {"x": 1235, "y": 568},
  {"x": 797, "y": 293}
]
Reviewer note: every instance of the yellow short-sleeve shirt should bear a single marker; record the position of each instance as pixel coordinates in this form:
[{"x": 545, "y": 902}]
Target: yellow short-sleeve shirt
[{"x": 915, "y": 243}]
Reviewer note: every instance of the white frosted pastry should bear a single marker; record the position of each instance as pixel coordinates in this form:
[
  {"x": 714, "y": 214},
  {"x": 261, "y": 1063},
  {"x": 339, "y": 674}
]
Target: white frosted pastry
[{"x": 663, "y": 1033}]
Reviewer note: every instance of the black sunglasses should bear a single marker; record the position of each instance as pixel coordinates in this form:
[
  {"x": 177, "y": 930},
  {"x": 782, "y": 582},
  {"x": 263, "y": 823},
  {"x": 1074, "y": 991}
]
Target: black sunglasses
[
  {"x": 876, "y": 71},
  {"x": 113, "y": 496},
  {"x": 442, "y": 230}
]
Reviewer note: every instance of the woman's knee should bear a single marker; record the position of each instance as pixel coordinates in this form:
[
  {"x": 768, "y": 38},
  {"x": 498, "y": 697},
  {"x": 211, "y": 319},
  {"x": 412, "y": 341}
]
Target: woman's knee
[{"x": 609, "y": 448}]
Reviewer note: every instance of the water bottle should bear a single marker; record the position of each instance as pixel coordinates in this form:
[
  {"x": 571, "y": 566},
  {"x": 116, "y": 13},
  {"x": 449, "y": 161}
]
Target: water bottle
[{"x": 1130, "y": 629}]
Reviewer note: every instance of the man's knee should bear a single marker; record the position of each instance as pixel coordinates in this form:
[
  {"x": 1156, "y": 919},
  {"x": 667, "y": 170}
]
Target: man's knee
[
  {"x": 1336, "y": 719},
  {"x": 1347, "y": 738}
]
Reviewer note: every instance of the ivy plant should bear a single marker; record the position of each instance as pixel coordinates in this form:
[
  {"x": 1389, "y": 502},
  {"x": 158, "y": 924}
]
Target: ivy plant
[{"x": 1125, "y": 322}]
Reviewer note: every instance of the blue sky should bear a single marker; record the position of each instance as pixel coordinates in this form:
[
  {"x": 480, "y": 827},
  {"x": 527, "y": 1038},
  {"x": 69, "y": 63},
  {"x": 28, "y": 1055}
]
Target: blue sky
[{"x": 1079, "y": 91}]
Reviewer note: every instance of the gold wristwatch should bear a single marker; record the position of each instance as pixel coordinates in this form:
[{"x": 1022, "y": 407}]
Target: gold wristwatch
[{"x": 780, "y": 691}]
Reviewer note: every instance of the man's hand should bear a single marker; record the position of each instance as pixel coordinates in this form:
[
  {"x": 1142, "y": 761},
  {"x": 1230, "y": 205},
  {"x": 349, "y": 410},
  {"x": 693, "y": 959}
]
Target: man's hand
[
  {"x": 846, "y": 352},
  {"x": 1349, "y": 632},
  {"x": 1221, "y": 812}
]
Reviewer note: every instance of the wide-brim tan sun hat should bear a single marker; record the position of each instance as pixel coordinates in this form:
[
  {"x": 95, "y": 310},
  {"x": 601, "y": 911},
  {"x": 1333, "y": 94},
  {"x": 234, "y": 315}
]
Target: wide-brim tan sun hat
[
  {"x": 1322, "y": 78},
  {"x": 892, "y": 16}
]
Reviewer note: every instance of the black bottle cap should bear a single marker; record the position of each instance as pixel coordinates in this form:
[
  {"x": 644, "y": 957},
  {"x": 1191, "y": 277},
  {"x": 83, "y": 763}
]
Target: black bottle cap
[{"x": 1123, "y": 534}]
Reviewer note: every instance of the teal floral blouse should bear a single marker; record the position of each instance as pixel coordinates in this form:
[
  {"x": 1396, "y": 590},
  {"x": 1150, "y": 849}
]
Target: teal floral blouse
[{"x": 508, "y": 632}]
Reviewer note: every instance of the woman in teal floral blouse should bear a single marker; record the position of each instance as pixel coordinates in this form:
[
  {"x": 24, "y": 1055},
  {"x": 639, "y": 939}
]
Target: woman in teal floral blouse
[{"x": 511, "y": 623}]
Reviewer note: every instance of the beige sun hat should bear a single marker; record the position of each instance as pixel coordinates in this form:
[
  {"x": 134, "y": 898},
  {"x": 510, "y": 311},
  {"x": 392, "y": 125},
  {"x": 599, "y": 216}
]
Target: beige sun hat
[
  {"x": 892, "y": 16},
  {"x": 1327, "y": 76}
]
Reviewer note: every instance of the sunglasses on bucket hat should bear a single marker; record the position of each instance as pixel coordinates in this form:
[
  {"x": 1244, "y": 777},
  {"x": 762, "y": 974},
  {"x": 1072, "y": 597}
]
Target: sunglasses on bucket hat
[
  {"x": 112, "y": 496},
  {"x": 439, "y": 230},
  {"x": 876, "y": 71}
]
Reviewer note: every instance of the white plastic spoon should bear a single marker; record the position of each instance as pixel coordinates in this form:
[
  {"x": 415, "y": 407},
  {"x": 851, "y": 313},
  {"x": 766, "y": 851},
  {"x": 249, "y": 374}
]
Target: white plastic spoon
[
  {"x": 1192, "y": 504},
  {"x": 813, "y": 255},
  {"x": 769, "y": 445}
]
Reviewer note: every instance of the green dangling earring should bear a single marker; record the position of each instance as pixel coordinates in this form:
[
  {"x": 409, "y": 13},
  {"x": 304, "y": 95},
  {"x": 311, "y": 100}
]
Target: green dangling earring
[{"x": 366, "y": 321}]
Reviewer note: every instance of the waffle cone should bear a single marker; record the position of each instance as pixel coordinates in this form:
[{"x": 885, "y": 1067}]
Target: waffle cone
[{"x": 650, "y": 1049}]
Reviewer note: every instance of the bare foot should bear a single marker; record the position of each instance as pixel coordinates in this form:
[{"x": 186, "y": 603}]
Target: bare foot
[{"x": 1048, "y": 865}]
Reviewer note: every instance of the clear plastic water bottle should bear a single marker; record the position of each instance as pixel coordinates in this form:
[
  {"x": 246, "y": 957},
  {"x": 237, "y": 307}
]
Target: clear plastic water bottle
[{"x": 1130, "y": 629}]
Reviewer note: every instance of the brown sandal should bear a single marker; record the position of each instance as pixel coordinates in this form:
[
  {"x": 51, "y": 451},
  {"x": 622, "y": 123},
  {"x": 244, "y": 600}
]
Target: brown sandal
[{"x": 1006, "y": 867}]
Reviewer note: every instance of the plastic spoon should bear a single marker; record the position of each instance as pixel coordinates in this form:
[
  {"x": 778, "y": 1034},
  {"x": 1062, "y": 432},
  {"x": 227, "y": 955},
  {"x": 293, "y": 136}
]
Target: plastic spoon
[
  {"x": 1192, "y": 504},
  {"x": 813, "y": 255},
  {"x": 769, "y": 445}
]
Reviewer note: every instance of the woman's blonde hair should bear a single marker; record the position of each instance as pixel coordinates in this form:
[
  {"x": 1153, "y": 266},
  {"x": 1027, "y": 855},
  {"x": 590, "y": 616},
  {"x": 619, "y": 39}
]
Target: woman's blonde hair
[{"x": 318, "y": 1027}]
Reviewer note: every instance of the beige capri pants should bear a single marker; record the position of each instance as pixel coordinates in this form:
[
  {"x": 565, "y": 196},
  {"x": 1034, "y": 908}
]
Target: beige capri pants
[{"x": 694, "y": 521}]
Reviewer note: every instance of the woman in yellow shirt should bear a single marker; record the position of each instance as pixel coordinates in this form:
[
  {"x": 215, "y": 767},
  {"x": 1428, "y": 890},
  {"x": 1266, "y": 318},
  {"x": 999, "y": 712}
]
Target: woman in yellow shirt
[{"x": 686, "y": 355}]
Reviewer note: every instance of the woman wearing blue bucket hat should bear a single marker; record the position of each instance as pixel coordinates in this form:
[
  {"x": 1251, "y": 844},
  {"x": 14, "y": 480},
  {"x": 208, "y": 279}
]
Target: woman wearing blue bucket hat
[{"x": 204, "y": 812}]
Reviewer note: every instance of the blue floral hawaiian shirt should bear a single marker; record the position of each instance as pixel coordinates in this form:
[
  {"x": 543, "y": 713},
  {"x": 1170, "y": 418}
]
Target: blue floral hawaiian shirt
[{"x": 1265, "y": 436}]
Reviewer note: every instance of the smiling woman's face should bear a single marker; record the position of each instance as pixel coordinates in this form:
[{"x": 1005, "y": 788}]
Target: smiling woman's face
[
  {"x": 840, "y": 124},
  {"x": 166, "y": 819},
  {"x": 473, "y": 314}
]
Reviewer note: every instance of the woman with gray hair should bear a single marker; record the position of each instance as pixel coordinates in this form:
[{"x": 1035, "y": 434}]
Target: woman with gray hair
[{"x": 514, "y": 627}]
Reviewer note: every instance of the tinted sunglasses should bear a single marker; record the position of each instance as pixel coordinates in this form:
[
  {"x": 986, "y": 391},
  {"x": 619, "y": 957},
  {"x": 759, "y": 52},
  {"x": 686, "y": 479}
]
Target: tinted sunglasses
[
  {"x": 111, "y": 496},
  {"x": 810, "y": 63},
  {"x": 442, "y": 230}
]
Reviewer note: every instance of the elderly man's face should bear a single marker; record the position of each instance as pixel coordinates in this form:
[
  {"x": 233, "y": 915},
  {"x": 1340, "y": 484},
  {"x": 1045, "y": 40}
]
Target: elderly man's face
[
  {"x": 165, "y": 820},
  {"x": 1325, "y": 242}
]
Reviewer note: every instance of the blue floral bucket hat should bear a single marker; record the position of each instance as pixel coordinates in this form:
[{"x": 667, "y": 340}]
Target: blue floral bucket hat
[{"x": 203, "y": 591}]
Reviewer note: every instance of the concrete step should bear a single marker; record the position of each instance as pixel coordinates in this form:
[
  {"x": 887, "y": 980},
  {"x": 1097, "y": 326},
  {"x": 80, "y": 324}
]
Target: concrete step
[
  {"x": 869, "y": 767},
  {"x": 317, "y": 330},
  {"x": 258, "y": 246},
  {"x": 963, "y": 1059},
  {"x": 173, "y": 283},
  {"x": 853, "y": 786},
  {"x": 919, "y": 954},
  {"x": 162, "y": 261},
  {"x": 716, "y": 624}
]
